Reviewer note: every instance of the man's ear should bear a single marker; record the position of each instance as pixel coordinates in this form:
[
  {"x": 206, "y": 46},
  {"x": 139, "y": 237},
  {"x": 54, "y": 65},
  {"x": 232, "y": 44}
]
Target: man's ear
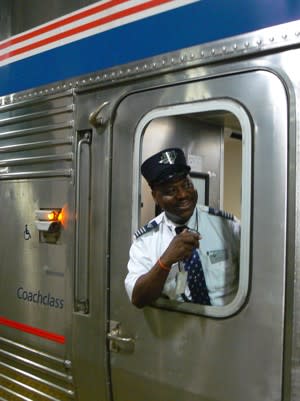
[
  {"x": 153, "y": 193},
  {"x": 154, "y": 196}
]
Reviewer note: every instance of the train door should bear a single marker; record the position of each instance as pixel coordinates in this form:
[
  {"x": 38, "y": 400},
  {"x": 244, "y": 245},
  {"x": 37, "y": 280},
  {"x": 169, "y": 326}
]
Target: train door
[{"x": 182, "y": 351}]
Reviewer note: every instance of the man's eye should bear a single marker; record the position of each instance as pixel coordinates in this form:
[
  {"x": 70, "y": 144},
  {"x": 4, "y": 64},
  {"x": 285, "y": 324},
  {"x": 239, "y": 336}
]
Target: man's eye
[{"x": 170, "y": 191}]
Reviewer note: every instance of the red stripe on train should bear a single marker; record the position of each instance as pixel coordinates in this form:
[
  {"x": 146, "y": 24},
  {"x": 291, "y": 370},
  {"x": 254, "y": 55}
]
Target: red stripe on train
[
  {"x": 32, "y": 330},
  {"x": 60, "y": 23},
  {"x": 84, "y": 27}
]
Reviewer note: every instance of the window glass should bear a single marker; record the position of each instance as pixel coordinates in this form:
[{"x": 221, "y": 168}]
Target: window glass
[{"x": 216, "y": 139}]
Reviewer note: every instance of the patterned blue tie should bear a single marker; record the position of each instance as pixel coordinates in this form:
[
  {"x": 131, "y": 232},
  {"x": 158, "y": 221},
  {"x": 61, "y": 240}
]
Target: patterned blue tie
[
  {"x": 196, "y": 279},
  {"x": 195, "y": 276}
]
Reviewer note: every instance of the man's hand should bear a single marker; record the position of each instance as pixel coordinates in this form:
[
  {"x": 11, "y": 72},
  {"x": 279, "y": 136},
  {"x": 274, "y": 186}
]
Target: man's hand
[{"x": 181, "y": 247}]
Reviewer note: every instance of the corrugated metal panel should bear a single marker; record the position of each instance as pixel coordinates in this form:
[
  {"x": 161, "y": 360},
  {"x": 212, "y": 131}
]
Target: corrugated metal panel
[{"x": 36, "y": 138}]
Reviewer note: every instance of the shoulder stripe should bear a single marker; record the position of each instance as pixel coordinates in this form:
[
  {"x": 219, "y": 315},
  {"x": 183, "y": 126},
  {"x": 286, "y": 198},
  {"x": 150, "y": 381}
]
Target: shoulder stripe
[
  {"x": 220, "y": 213},
  {"x": 145, "y": 229}
]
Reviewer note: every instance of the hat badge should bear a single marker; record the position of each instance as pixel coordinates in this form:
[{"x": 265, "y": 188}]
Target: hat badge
[{"x": 168, "y": 157}]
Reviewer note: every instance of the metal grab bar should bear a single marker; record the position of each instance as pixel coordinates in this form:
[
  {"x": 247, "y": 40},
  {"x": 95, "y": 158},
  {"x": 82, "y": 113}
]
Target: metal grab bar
[
  {"x": 81, "y": 287},
  {"x": 116, "y": 337}
]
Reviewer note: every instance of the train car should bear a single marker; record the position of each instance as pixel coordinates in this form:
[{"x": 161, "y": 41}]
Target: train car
[{"x": 88, "y": 91}]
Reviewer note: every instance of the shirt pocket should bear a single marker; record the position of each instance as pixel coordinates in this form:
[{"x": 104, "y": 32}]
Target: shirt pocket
[{"x": 220, "y": 272}]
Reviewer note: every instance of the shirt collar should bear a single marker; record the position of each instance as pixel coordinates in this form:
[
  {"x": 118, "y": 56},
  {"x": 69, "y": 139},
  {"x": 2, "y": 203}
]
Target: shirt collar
[{"x": 191, "y": 223}]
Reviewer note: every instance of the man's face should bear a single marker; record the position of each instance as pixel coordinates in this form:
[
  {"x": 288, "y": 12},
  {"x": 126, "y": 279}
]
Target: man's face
[{"x": 177, "y": 198}]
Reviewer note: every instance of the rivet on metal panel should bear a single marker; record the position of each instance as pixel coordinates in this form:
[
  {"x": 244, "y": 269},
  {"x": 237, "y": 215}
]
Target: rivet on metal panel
[
  {"x": 247, "y": 44},
  {"x": 284, "y": 36},
  {"x": 213, "y": 51},
  {"x": 259, "y": 42},
  {"x": 202, "y": 54},
  {"x": 235, "y": 46},
  {"x": 192, "y": 56},
  {"x": 224, "y": 49}
]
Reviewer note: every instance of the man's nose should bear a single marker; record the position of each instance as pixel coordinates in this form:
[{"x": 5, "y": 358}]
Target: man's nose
[{"x": 181, "y": 192}]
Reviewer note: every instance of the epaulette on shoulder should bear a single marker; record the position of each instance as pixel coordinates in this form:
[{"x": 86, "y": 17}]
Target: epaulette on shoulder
[
  {"x": 221, "y": 213},
  {"x": 145, "y": 229}
]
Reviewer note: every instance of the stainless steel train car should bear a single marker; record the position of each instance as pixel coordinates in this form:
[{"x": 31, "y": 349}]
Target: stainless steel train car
[{"x": 88, "y": 91}]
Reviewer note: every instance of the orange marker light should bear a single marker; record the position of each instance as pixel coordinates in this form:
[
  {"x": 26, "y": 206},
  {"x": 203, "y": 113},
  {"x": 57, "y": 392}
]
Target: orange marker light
[
  {"x": 63, "y": 216},
  {"x": 51, "y": 216}
]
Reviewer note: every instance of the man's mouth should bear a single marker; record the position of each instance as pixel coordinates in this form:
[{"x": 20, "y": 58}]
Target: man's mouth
[{"x": 184, "y": 205}]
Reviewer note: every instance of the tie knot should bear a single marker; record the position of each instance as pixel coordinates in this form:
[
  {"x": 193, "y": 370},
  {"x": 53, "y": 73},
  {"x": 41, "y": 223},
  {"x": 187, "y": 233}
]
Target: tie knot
[{"x": 179, "y": 229}]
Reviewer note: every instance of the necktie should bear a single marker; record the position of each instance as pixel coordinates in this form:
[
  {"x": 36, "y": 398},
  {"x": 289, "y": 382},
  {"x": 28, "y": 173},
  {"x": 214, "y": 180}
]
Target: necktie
[
  {"x": 195, "y": 276},
  {"x": 196, "y": 279}
]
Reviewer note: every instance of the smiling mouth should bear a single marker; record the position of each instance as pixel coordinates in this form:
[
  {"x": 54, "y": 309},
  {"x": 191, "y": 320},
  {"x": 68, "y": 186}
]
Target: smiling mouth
[{"x": 185, "y": 206}]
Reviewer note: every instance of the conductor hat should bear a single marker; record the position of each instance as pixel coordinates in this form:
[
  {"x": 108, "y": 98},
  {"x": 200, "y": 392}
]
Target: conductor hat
[{"x": 164, "y": 166}]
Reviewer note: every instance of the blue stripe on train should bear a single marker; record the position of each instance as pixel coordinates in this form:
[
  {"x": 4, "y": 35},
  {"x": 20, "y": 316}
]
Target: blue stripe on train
[{"x": 193, "y": 24}]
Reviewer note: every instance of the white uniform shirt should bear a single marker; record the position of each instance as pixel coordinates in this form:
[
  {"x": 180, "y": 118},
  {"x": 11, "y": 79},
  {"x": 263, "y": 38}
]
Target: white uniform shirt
[{"x": 219, "y": 254}]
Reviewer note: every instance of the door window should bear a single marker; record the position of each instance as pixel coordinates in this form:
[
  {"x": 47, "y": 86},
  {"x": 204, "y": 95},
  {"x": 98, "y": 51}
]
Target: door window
[{"x": 215, "y": 136}]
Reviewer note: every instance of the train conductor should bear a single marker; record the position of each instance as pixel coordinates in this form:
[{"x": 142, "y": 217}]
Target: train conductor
[{"x": 189, "y": 252}]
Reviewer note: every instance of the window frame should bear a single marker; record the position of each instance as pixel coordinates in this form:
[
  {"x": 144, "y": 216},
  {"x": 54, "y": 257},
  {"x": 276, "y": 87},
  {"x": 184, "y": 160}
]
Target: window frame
[{"x": 206, "y": 106}]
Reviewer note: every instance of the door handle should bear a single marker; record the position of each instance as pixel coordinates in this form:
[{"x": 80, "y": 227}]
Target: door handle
[
  {"x": 117, "y": 342},
  {"x": 115, "y": 337}
]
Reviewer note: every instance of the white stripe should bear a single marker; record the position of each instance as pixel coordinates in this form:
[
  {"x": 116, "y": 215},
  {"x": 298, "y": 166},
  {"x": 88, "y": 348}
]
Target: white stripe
[
  {"x": 56, "y": 20},
  {"x": 72, "y": 25},
  {"x": 102, "y": 28}
]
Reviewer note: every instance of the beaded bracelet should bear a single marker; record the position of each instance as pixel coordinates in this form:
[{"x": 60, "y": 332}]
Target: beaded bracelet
[{"x": 163, "y": 266}]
